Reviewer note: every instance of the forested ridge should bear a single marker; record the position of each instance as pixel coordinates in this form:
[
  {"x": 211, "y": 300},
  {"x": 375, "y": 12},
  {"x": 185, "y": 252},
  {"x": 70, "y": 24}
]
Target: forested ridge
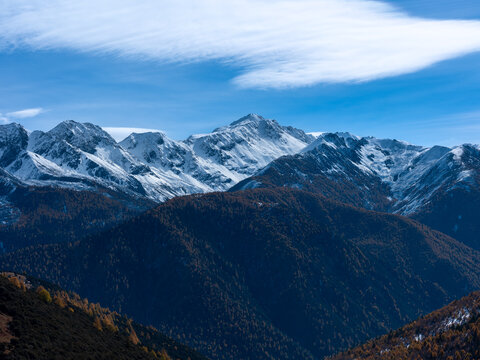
[
  {"x": 46, "y": 322},
  {"x": 262, "y": 274},
  {"x": 45, "y": 215},
  {"x": 451, "y": 333}
]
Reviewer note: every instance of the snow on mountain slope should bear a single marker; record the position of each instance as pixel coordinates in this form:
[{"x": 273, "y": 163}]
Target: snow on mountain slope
[
  {"x": 248, "y": 143},
  {"x": 243, "y": 147},
  {"x": 75, "y": 154},
  {"x": 149, "y": 165},
  {"x": 168, "y": 159},
  {"x": 382, "y": 174},
  {"x": 13, "y": 141},
  {"x": 216, "y": 161}
]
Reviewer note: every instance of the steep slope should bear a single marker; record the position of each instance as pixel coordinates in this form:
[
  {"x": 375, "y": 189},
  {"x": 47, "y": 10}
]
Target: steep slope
[
  {"x": 245, "y": 146},
  {"x": 452, "y": 332},
  {"x": 83, "y": 157},
  {"x": 331, "y": 166},
  {"x": 9, "y": 214},
  {"x": 216, "y": 161},
  {"x": 13, "y": 141},
  {"x": 438, "y": 186},
  {"x": 263, "y": 274},
  {"x": 41, "y": 323},
  {"x": 31, "y": 215},
  {"x": 78, "y": 156},
  {"x": 454, "y": 206}
]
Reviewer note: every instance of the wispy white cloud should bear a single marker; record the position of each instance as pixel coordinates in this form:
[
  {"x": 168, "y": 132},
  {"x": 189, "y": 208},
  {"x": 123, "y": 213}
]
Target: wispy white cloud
[
  {"x": 20, "y": 114},
  {"x": 120, "y": 133},
  {"x": 274, "y": 43},
  {"x": 23, "y": 114}
]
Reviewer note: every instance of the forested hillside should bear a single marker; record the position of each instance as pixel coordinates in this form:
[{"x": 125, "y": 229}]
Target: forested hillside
[
  {"x": 44, "y": 215},
  {"x": 44, "y": 322},
  {"x": 263, "y": 274},
  {"x": 451, "y": 333}
]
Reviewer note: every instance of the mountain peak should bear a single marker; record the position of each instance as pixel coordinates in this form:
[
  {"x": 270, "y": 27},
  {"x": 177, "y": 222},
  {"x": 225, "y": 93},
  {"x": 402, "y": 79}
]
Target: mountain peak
[
  {"x": 148, "y": 135},
  {"x": 347, "y": 135},
  {"x": 153, "y": 138},
  {"x": 75, "y": 128},
  {"x": 86, "y": 136},
  {"x": 253, "y": 122},
  {"x": 13, "y": 140},
  {"x": 10, "y": 129},
  {"x": 336, "y": 140},
  {"x": 250, "y": 118}
]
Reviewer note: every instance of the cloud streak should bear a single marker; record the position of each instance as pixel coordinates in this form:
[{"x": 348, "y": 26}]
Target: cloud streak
[
  {"x": 23, "y": 114},
  {"x": 20, "y": 114},
  {"x": 273, "y": 43}
]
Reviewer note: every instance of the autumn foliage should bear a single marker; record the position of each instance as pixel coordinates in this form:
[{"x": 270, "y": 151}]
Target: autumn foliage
[{"x": 271, "y": 271}]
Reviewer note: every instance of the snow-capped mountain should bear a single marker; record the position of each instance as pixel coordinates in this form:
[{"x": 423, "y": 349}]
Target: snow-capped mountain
[
  {"x": 436, "y": 185},
  {"x": 13, "y": 141},
  {"x": 149, "y": 165},
  {"x": 380, "y": 174}
]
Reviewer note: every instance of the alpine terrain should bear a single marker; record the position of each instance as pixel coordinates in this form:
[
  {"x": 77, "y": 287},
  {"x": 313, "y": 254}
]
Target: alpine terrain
[
  {"x": 262, "y": 274},
  {"x": 148, "y": 165},
  {"x": 439, "y": 186}
]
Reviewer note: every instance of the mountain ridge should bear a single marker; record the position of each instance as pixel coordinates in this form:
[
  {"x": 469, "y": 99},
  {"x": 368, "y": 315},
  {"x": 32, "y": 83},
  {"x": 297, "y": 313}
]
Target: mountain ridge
[
  {"x": 152, "y": 165},
  {"x": 264, "y": 273},
  {"x": 452, "y": 332},
  {"x": 146, "y": 165},
  {"x": 379, "y": 174},
  {"x": 386, "y": 175},
  {"x": 46, "y": 322}
]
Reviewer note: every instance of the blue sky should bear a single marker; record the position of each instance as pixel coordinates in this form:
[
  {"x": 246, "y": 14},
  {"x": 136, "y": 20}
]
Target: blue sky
[{"x": 186, "y": 87}]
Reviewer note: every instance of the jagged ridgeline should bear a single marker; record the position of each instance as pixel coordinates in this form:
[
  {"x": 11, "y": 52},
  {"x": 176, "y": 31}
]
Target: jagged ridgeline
[
  {"x": 149, "y": 165},
  {"x": 45, "y": 322},
  {"x": 263, "y": 273},
  {"x": 437, "y": 185},
  {"x": 279, "y": 271},
  {"x": 452, "y": 332}
]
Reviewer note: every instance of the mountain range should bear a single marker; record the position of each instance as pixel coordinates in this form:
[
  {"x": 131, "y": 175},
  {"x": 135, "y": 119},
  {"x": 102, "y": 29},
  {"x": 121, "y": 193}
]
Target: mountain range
[
  {"x": 379, "y": 174},
  {"x": 437, "y": 185},
  {"x": 387, "y": 174},
  {"x": 149, "y": 165},
  {"x": 305, "y": 245},
  {"x": 262, "y": 274}
]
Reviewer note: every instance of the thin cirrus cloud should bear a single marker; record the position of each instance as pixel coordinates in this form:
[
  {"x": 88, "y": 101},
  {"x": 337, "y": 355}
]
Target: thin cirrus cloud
[
  {"x": 20, "y": 114},
  {"x": 272, "y": 43},
  {"x": 26, "y": 113}
]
